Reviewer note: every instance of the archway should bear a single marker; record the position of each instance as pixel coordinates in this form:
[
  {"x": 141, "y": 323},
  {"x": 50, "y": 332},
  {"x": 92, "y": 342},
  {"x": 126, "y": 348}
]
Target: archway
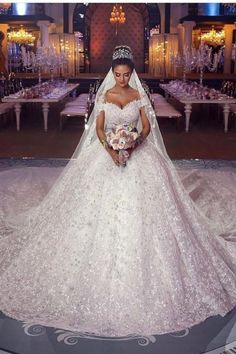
[{"x": 100, "y": 38}]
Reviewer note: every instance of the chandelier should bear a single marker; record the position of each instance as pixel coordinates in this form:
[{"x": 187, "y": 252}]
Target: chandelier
[
  {"x": 213, "y": 37},
  {"x": 21, "y": 37},
  {"x": 117, "y": 15},
  {"x": 230, "y": 9}
]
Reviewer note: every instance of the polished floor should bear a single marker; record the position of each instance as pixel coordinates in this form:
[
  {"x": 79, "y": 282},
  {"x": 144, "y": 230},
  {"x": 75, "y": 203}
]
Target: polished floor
[
  {"x": 205, "y": 140},
  {"x": 216, "y": 335}
]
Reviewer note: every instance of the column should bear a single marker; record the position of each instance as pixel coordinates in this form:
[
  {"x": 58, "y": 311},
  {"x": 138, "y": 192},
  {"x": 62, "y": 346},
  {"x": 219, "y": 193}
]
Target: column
[
  {"x": 228, "y": 47},
  {"x": 44, "y": 33},
  {"x": 188, "y": 28},
  {"x": 3, "y": 48},
  {"x": 162, "y": 15},
  {"x": 66, "y": 18},
  {"x": 235, "y": 60},
  {"x": 71, "y": 14},
  {"x": 167, "y": 18}
]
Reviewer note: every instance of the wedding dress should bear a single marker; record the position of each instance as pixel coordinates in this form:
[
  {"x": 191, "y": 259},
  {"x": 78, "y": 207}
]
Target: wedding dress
[{"x": 117, "y": 250}]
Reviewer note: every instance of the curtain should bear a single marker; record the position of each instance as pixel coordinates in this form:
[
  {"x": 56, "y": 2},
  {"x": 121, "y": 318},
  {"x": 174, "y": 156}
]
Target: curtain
[
  {"x": 71, "y": 44},
  {"x": 161, "y": 48}
]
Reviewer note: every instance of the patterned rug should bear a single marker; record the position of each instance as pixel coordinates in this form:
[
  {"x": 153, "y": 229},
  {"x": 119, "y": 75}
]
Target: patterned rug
[{"x": 216, "y": 335}]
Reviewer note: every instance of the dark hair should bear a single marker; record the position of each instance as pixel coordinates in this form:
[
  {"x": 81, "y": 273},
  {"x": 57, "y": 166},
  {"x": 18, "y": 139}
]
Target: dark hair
[{"x": 123, "y": 60}]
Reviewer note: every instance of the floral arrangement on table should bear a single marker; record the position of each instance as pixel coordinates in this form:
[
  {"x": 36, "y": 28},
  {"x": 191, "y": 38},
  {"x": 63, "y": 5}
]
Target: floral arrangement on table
[
  {"x": 43, "y": 90},
  {"x": 193, "y": 89},
  {"x": 122, "y": 137}
]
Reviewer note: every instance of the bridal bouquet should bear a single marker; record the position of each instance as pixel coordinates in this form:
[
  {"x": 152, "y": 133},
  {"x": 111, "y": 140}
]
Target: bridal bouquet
[{"x": 122, "y": 137}]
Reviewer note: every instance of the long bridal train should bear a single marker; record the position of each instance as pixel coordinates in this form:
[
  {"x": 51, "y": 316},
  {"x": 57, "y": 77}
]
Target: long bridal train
[{"x": 116, "y": 251}]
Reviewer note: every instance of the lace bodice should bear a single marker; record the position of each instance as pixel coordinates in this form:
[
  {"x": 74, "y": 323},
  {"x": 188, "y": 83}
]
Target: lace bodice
[{"x": 114, "y": 115}]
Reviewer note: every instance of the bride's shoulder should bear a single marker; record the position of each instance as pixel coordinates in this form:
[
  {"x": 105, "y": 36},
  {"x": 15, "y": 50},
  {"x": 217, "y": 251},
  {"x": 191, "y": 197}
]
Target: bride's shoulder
[
  {"x": 135, "y": 93},
  {"x": 109, "y": 92},
  {"x": 103, "y": 97}
]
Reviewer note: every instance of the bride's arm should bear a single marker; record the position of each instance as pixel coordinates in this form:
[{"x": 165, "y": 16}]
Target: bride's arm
[
  {"x": 145, "y": 124},
  {"x": 102, "y": 137},
  {"x": 145, "y": 130}
]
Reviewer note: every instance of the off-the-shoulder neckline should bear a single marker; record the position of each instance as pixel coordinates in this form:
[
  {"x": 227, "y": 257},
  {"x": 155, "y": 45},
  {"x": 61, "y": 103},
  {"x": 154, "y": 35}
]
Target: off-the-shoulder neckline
[{"x": 127, "y": 104}]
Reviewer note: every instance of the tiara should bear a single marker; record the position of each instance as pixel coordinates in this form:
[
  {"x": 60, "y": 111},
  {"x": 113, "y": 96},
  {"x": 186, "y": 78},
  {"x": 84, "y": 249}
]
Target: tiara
[{"x": 122, "y": 53}]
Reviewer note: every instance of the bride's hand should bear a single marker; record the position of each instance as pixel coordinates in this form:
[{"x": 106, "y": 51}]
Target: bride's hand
[
  {"x": 115, "y": 156},
  {"x": 130, "y": 151}
]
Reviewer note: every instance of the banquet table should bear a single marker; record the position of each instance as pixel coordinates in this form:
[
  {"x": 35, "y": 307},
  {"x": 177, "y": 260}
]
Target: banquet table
[
  {"x": 55, "y": 97},
  {"x": 224, "y": 100}
]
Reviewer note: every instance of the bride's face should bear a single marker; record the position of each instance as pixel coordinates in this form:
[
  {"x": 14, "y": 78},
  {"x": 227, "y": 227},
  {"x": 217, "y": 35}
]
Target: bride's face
[{"x": 122, "y": 75}]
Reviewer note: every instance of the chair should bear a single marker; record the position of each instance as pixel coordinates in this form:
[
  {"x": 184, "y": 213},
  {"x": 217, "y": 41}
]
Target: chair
[
  {"x": 81, "y": 106},
  {"x": 233, "y": 112},
  {"x": 164, "y": 109},
  {"x": 76, "y": 110},
  {"x": 229, "y": 88}
]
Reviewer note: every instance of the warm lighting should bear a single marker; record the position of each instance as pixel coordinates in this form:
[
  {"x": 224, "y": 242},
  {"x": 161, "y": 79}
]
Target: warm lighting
[
  {"x": 160, "y": 50},
  {"x": 5, "y": 5},
  {"x": 117, "y": 15},
  {"x": 155, "y": 30},
  {"x": 21, "y": 37},
  {"x": 213, "y": 37}
]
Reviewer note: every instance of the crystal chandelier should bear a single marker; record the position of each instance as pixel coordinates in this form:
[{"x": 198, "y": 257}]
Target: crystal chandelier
[
  {"x": 117, "y": 16},
  {"x": 21, "y": 37},
  {"x": 230, "y": 9},
  {"x": 213, "y": 37},
  {"x": 203, "y": 58}
]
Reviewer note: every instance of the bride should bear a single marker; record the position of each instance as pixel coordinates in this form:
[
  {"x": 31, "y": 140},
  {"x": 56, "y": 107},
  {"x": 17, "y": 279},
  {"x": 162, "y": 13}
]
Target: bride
[{"x": 117, "y": 246}]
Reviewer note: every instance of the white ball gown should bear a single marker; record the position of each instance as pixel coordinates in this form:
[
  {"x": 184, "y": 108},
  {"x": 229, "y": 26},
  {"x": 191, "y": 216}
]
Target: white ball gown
[{"x": 117, "y": 250}]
